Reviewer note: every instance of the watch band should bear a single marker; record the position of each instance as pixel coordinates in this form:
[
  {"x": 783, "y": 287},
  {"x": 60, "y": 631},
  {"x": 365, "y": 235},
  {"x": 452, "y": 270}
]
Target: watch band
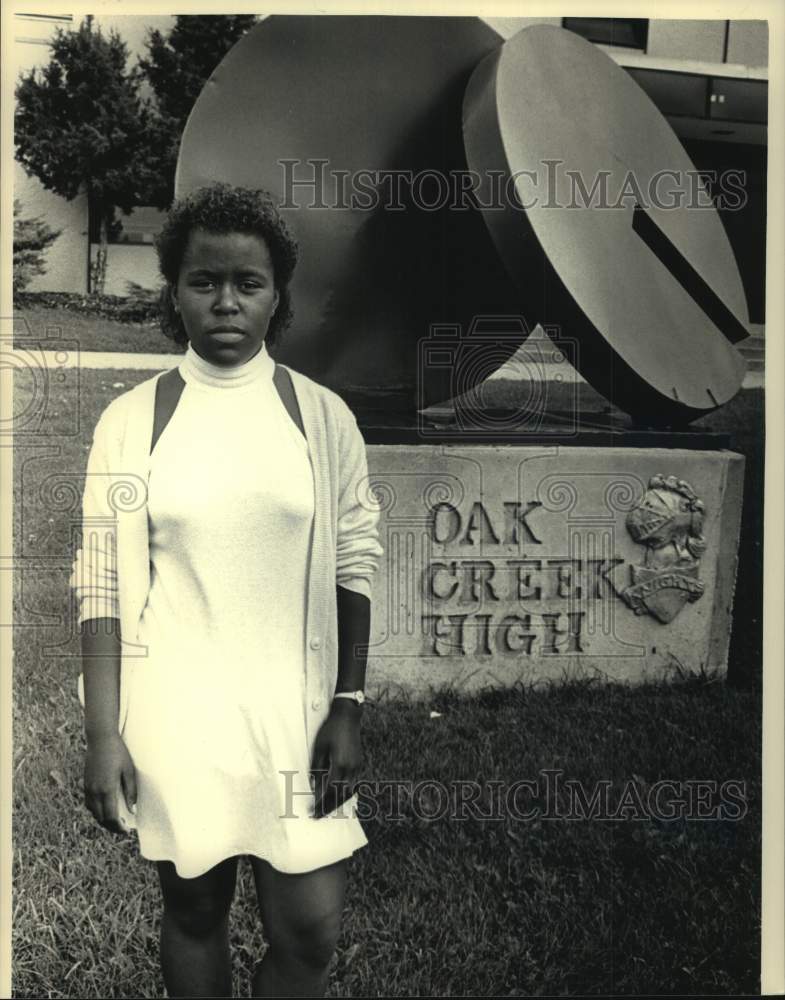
[{"x": 357, "y": 696}]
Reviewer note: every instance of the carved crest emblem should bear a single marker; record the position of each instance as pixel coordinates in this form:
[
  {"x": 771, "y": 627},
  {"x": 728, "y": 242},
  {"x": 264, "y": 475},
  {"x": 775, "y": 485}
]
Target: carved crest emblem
[{"x": 669, "y": 522}]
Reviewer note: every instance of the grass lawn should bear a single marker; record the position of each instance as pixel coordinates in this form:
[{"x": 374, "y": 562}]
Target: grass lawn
[
  {"x": 91, "y": 333},
  {"x": 435, "y": 907}
]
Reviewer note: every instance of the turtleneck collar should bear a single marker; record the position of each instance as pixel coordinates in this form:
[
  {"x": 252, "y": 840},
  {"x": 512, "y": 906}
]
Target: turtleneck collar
[{"x": 195, "y": 369}]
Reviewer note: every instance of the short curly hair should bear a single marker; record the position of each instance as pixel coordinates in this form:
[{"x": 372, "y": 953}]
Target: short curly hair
[{"x": 222, "y": 208}]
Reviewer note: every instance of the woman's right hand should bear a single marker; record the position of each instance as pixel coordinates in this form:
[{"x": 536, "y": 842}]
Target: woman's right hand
[{"x": 109, "y": 772}]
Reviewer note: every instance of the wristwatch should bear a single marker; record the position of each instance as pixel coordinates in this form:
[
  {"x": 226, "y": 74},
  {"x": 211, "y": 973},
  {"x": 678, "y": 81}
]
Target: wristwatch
[{"x": 358, "y": 696}]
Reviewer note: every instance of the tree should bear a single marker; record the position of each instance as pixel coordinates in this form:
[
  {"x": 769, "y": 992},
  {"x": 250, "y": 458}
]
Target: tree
[
  {"x": 81, "y": 126},
  {"x": 32, "y": 238},
  {"x": 177, "y": 67}
]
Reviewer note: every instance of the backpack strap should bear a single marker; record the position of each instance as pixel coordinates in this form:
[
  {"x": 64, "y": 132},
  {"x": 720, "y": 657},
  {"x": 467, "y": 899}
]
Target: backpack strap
[
  {"x": 283, "y": 383},
  {"x": 170, "y": 386},
  {"x": 168, "y": 390}
]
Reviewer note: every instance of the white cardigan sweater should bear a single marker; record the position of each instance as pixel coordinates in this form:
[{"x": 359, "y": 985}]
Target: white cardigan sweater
[{"x": 111, "y": 571}]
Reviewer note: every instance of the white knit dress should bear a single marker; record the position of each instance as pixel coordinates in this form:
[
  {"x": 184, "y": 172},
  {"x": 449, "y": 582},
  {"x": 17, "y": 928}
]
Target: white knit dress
[{"x": 216, "y": 717}]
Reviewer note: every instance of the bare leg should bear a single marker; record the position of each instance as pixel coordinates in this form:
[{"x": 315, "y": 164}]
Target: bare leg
[
  {"x": 195, "y": 956},
  {"x": 302, "y": 920}
]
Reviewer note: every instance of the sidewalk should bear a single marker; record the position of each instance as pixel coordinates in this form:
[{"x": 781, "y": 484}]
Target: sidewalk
[
  {"x": 160, "y": 362},
  {"x": 107, "y": 359}
]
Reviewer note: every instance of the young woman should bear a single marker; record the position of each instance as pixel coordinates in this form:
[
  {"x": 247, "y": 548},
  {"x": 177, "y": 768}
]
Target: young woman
[{"x": 229, "y": 540}]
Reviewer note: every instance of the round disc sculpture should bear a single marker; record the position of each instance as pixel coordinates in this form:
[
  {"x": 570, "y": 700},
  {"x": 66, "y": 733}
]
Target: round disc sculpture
[
  {"x": 608, "y": 234},
  {"x": 337, "y": 117},
  {"x": 355, "y": 124}
]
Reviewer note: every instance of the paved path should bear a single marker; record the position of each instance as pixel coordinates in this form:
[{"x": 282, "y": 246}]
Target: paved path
[
  {"x": 158, "y": 362},
  {"x": 106, "y": 359}
]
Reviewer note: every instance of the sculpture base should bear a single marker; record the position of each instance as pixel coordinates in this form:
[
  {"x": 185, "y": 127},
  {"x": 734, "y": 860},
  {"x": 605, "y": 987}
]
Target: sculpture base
[{"x": 514, "y": 563}]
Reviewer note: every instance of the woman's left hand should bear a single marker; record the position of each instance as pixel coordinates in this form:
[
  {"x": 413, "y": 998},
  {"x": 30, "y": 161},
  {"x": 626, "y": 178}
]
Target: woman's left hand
[{"x": 337, "y": 757}]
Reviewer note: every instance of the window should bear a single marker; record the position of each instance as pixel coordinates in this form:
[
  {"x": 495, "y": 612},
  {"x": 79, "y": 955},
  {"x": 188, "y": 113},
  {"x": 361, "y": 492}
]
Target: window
[
  {"x": 629, "y": 32},
  {"x": 139, "y": 228},
  {"x": 47, "y": 18}
]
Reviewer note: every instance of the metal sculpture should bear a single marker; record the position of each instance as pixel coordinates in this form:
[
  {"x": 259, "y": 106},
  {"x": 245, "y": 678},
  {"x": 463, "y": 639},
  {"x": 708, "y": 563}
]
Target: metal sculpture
[
  {"x": 608, "y": 233},
  {"x": 356, "y": 123},
  {"x": 341, "y": 118}
]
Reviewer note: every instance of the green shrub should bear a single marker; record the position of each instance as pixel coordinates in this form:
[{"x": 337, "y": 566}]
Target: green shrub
[
  {"x": 141, "y": 300},
  {"x": 123, "y": 309},
  {"x": 32, "y": 238}
]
